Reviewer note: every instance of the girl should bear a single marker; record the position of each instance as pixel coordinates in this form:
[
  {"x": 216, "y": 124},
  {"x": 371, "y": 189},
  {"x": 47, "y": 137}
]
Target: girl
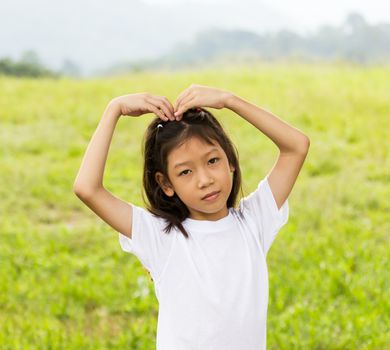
[{"x": 207, "y": 257}]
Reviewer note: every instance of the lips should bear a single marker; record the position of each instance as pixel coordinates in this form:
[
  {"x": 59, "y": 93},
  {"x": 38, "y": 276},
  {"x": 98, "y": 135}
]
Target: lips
[{"x": 210, "y": 194}]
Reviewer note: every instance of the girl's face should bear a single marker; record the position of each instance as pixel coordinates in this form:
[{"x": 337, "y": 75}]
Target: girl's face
[{"x": 195, "y": 170}]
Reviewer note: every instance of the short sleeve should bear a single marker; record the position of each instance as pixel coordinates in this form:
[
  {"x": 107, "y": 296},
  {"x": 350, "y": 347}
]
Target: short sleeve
[
  {"x": 261, "y": 209},
  {"x": 149, "y": 243}
]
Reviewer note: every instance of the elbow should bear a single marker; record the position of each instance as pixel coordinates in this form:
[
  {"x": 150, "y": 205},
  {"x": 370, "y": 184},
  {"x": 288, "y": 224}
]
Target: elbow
[
  {"x": 80, "y": 192},
  {"x": 304, "y": 145},
  {"x": 300, "y": 146},
  {"x": 85, "y": 192},
  {"x": 77, "y": 188}
]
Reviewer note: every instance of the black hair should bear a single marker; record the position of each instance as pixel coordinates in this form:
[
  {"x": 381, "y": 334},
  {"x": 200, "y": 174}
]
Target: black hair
[{"x": 159, "y": 141}]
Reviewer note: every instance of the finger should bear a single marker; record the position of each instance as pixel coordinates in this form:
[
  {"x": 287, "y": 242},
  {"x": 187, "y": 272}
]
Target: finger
[
  {"x": 169, "y": 104},
  {"x": 163, "y": 111},
  {"x": 158, "y": 102},
  {"x": 185, "y": 105},
  {"x": 184, "y": 96},
  {"x": 157, "y": 112},
  {"x": 168, "y": 107},
  {"x": 180, "y": 98}
]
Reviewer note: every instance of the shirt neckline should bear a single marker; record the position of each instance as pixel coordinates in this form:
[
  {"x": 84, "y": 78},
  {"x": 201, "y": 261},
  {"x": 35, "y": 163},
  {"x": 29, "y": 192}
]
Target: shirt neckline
[{"x": 210, "y": 225}]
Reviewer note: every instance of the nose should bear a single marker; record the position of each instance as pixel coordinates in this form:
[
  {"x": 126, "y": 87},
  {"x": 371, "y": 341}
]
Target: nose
[{"x": 204, "y": 178}]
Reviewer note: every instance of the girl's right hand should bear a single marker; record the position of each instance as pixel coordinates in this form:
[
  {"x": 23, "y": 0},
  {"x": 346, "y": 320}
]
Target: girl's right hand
[{"x": 142, "y": 103}]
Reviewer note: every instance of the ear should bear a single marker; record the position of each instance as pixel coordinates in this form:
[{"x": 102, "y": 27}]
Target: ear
[
  {"x": 232, "y": 168},
  {"x": 164, "y": 184}
]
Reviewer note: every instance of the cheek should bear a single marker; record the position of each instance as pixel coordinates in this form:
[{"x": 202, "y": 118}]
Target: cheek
[
  {"x": 182, "y": 186},
  {"x": 231, "y": 177}
]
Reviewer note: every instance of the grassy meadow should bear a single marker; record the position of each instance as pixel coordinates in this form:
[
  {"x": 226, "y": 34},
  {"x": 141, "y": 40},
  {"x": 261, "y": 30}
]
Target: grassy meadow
[{"x": 65, "y": 283}]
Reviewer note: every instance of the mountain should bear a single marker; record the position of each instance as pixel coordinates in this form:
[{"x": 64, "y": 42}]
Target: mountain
[
  {"x": 94, "y": 34},
  {"x": 354, "y": 40}
]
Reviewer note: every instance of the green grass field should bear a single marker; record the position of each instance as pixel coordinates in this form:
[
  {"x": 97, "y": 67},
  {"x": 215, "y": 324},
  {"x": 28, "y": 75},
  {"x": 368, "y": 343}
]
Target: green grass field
[{"x": 66, "y": 284}]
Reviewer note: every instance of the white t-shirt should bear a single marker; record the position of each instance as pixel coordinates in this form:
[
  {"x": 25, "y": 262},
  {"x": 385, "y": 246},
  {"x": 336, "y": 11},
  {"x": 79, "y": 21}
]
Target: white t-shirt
[{"x": 212, "y": 288}]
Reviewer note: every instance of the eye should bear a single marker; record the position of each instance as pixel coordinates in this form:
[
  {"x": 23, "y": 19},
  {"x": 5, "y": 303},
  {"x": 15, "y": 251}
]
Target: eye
[
  {"x": 213, "y": 160},
  {"x": 184, "y": 172}
]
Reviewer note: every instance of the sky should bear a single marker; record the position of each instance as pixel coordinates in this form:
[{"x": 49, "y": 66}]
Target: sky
[
  {"x": 309, "y": 14},
  {"x": 98, "y": 33}
]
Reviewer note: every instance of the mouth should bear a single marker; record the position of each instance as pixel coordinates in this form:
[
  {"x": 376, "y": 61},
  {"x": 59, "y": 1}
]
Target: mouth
[{"x": 211, "y": 195}]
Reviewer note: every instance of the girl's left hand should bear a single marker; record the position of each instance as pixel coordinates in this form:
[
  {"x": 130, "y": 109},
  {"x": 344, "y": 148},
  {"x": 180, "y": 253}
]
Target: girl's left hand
[{"x": 200, "y": 96}]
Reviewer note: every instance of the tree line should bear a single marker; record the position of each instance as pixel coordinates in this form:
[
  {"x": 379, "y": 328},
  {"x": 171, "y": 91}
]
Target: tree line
[
  {"x": 355, "y": 40},
  {"x": 28, "y": 65}
]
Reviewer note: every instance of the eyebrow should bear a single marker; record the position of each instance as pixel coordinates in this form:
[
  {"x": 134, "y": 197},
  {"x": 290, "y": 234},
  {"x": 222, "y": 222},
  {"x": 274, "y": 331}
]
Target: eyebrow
[{"x": 206, "y": 154}]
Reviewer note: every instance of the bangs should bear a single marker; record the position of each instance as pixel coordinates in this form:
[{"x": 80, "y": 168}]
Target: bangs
[{"x": 201, "y": 132}]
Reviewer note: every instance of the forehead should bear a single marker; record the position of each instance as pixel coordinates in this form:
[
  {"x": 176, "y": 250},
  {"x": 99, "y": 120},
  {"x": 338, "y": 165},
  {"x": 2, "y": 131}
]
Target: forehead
[{"x": 192, "y": 149}]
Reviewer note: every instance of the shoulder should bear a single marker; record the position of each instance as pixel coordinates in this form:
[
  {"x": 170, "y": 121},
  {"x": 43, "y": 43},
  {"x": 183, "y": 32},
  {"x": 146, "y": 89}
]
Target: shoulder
[
  {"x": 261, "y": 205},
  {"x": 144, "y": 217},
  {"x": 261, "y": 192}
]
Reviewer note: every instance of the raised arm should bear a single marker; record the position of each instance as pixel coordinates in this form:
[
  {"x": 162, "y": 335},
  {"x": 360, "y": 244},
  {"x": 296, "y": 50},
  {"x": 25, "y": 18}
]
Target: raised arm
[
  {"x": 90, "y": 176},
  {"x": 292, "y": 143},
  {"x": 88, "y": 185}
]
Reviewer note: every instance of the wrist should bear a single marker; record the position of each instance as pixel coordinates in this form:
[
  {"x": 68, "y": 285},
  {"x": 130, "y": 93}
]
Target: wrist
[
  {"x": 229, "y": 100},
  {"x": 113, "y": 109}
]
